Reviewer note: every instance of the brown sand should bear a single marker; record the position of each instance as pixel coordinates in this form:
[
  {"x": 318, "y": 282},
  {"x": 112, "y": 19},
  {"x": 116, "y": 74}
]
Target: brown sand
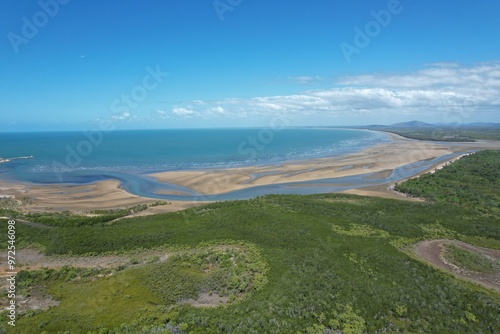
[
  {"x": 382, "y": 158},
  {"x": 103, "y": 195}
]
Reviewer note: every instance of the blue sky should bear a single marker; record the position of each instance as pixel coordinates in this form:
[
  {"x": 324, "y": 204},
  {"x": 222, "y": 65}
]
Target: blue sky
[{"x": 70, "y": 64}]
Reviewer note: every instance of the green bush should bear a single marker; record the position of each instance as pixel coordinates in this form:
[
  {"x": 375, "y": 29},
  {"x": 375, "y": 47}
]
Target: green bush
[{"x": 472, "y": 182}]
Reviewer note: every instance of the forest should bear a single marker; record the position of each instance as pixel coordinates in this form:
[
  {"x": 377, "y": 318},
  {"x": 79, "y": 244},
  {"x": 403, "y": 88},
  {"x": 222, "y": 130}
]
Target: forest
[
  {"x": 329, "y": 263},
  {"x": 472, "y": 182}
]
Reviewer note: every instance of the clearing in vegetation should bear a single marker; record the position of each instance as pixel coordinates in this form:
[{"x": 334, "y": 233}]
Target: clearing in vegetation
[{"x": 465, "y": 261}]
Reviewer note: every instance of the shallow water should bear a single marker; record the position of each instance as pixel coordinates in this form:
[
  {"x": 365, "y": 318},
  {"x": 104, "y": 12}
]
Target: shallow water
[
  {"x": 74, "y": 157},
  {"x": 129, "y": 156}
]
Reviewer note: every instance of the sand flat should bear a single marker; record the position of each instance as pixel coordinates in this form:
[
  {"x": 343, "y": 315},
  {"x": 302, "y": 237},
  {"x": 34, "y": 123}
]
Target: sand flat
[
  {"x": 102, "y": 195},
  {"x": 381, "y": 158}
]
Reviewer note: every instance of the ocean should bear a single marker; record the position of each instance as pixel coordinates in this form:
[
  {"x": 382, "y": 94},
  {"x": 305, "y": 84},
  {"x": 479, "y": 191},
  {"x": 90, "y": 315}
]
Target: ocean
[
  {"x": 85, "y": 157},
  {"x": 129, "y": 156}
]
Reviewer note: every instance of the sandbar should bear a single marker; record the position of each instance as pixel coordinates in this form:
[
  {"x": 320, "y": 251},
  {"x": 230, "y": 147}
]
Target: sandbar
[{"x": 382, "y": 159}]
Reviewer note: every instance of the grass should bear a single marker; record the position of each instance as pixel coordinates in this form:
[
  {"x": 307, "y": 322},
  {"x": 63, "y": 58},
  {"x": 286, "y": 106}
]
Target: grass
[
  {"x": 11, "y": 208},
  {"x": 328, "y": 258},
  {"x": 326, "y": 262},
  {"x": 232, "y": 270},
  {"x": 110, "y": 300},
  {"x": 471, "y": 261}
]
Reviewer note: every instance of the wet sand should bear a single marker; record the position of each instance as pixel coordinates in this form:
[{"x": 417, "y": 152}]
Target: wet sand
[
  {"x": 382, "y": 158},
  {"x": 103, "y": 195}
]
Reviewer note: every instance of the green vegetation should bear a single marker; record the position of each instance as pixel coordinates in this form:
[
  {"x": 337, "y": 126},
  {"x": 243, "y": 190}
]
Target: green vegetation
[
  {"x": 11, "y": 208},
  {"x": 60, "y": 219},
  {"x": 448, "y": 134},
  {"x": 110, "y": 300},
  {"x": 471, "y": 261},
  {"x": 112, "y": 296},
  {"x": 158, "y": 203},
  {"x": 286, "y": 264},
  {"x": 28, "y": 279},
  {"x": 230, "y": 271},
  {"x": 330, "y": 264},
  {"x": 472, "y": 182}
]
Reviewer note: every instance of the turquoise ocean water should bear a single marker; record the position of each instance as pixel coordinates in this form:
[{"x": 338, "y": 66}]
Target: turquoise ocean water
[
  {"x": 129, "y": 156},
  {"x": 58, "y": 155}
]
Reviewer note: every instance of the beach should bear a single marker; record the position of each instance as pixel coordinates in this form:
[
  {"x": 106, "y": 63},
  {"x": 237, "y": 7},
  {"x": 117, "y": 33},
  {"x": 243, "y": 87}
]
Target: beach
[
  {"x": 103, "y": 195},
  {"x": 380, "y": 159}
]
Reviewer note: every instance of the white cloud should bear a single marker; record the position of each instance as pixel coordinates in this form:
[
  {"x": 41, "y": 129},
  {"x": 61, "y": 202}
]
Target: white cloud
[
  {"x": 183, "y": 112},
  {"x": 438, "y": 76},
  {"x": 121, "y": 117},
  {"x": 305, "y": 79},
  {"x": 216, "y": 110},
  {"x": 436, "y": 89},
  {"x": 158, "y": 114}
]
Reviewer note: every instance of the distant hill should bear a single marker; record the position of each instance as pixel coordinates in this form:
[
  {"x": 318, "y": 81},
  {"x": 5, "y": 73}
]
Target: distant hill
[
  {"x": 412, "y": 124},
  {"x": 423, "y": 125},
  {"x": 441, "y": 132}
]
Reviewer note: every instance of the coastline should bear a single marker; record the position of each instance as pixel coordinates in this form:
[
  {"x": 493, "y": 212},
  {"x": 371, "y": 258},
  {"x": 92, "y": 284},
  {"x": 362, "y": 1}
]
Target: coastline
[
  {"x": 101, "y": 195},
  {"x": 381, "y": 159}
]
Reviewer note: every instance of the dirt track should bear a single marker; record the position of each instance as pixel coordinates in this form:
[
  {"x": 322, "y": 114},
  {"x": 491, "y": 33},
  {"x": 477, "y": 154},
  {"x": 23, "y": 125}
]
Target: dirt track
[
  {"x": 432, "y": 252},
  {"x": 33, "y": 259}
]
